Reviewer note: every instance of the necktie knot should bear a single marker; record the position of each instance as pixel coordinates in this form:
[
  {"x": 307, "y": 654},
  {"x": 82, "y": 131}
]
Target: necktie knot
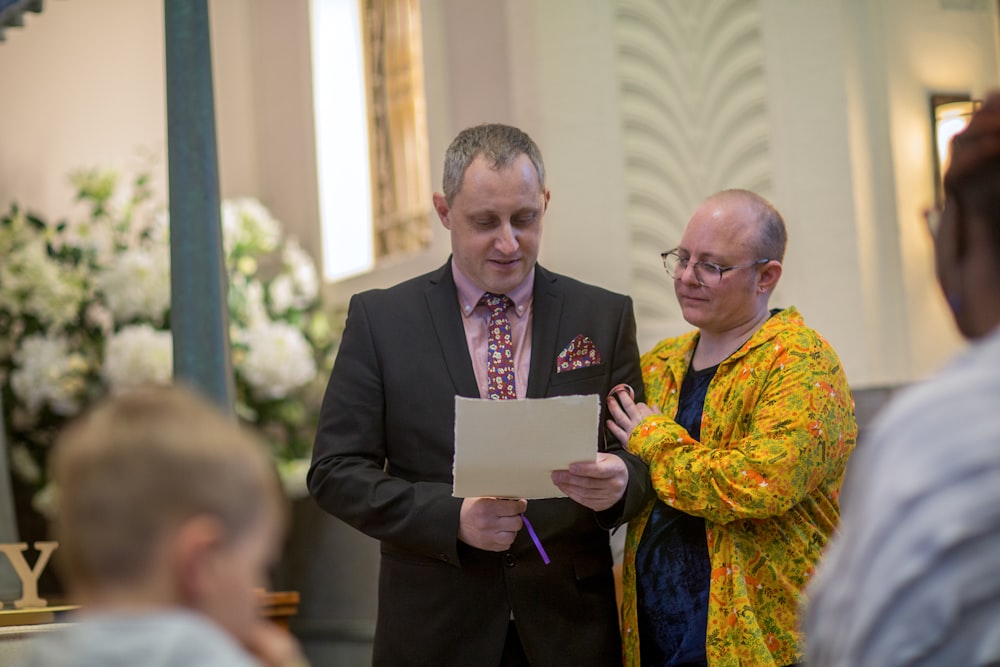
[{"x": 498, "y": 304}]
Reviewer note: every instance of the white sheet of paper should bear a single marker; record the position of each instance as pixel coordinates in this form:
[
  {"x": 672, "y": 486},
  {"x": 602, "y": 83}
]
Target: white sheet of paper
[{"x": 507, "y": 449}]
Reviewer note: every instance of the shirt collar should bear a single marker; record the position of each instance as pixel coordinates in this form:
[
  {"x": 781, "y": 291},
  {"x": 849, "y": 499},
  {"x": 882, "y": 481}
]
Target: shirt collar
[{"x": 469, "y": 294}]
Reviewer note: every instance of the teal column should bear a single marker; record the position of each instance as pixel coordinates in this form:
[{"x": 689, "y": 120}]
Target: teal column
[
  {"x": 10, "y": 585},
  {"x": 199, "y": 317}
]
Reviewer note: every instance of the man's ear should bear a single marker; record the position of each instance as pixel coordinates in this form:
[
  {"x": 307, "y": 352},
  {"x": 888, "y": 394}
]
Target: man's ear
[
  {"x": 769, "y": 276},
  {"x": 195, "y": 545},
  {"x": 442, "y": 208}
]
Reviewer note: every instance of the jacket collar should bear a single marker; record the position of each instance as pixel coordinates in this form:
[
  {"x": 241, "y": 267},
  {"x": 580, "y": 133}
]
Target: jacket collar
[{"x": 777, "y": 323}]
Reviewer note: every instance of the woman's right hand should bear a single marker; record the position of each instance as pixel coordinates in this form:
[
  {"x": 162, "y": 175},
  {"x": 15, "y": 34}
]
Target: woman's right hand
[{"x": 625, "y": 413}]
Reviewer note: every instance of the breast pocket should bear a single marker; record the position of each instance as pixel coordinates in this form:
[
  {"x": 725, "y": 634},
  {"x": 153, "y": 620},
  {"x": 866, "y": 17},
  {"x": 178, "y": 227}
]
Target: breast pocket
[{"x": 587, "y": 380}]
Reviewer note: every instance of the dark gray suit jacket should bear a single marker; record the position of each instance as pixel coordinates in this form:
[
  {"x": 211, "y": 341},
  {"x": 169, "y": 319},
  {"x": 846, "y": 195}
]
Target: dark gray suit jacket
[{"x": 382, "y": 462}]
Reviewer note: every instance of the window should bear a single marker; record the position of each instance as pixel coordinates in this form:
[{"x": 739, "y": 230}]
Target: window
[{"x": 371, "y": 136}]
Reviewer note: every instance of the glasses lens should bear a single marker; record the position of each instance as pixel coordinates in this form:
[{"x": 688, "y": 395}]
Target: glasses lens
[
  {"x": 708, "y": 275},
  {"x": 670, "y": 263}
]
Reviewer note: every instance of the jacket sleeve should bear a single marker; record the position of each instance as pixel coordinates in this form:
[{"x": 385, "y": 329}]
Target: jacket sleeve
[{"x": 348, "y": 475}]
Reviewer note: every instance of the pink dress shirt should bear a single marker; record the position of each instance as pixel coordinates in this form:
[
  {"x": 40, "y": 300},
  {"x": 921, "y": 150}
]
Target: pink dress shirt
[{"x": 476, "y": 318}]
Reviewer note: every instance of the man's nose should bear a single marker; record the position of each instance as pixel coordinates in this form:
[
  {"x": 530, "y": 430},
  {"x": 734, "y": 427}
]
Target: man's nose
[{"x": 506, "y": 238}]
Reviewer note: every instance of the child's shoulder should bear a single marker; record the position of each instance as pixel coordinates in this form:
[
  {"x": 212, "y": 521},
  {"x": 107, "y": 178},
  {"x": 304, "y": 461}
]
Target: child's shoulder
[{"x": 169, "y": 638}]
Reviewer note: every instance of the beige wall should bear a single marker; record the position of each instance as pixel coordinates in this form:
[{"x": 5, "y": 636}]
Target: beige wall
[
  {"x": 841, "y": 142},
  {"x": 82, "y": 85},
  {"x": 928, "y": 51},
  {"x": 852, "y": 149}
]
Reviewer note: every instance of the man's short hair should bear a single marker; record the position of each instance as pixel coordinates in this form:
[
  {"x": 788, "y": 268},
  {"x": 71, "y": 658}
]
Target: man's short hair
[
  {"x": 500, "y": 144},
  {"x": 141, "y": 463}
]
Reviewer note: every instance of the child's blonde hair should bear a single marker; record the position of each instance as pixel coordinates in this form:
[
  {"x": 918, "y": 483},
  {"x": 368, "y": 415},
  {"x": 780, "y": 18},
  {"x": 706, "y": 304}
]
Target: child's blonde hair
[{"x": 140, "y": 463}]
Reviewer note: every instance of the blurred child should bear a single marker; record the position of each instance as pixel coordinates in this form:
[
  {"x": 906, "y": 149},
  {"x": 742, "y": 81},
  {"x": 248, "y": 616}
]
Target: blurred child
[{"x": 169, "y": 515}]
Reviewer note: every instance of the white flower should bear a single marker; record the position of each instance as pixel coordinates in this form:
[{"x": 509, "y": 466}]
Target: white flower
[
  {"x": 16, "y": 233},
  {"x": 298, "y": 286},
  {"x": 246, "y": 303},
  {"x": 97, "y": 315},
  {"x": 158, "y": 227},
  {"x": 278, "y": 359},
  {"x": 48, "y": 373},
  {"x": 137, "y": 285},
  {"x": 137, "y": 355},
  {"x": 281, "y": 293},
  {"x": 94, "y": 236},
  {"x": 248, "y": 226},
  {"x": 34, "y": 284}
]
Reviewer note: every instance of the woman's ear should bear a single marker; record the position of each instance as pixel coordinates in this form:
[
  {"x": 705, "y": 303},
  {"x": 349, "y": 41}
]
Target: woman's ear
[{"x": 769, "y": 276}]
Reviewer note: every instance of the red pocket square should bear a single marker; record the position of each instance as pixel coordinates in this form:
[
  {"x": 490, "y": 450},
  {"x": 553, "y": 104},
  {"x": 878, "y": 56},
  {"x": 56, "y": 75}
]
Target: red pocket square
[{"x": 580, "y": 353}]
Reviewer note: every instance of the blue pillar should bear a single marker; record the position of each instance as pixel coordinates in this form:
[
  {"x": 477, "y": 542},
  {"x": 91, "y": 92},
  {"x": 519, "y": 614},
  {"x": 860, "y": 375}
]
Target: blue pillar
[
  {"x": 10, "y": 585},
  {"x": 198, "y": 316}
]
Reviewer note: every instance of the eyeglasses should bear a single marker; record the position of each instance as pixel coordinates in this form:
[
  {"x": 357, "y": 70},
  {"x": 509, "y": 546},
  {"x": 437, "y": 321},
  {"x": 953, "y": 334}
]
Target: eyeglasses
[{"x": 708, "y": 274}]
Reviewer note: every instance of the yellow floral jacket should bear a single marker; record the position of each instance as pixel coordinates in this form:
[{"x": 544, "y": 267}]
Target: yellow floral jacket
[{"x": 777, "y": 428}]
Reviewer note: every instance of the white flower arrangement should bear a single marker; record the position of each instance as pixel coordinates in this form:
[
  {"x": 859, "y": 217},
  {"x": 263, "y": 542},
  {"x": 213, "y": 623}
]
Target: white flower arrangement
[{"x": 85, "y": 305}]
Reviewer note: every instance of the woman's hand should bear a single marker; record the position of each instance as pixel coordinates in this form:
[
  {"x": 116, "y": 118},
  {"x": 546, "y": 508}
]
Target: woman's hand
[{"x": 626, "y": 414}]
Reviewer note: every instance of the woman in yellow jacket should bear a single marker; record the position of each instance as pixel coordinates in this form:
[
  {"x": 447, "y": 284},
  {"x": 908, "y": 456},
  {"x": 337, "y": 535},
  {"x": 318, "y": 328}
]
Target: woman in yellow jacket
[{"x": 747, "y": 428}]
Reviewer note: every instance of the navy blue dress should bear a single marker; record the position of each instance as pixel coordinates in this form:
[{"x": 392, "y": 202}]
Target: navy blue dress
[{"x": 673, "y": 568}]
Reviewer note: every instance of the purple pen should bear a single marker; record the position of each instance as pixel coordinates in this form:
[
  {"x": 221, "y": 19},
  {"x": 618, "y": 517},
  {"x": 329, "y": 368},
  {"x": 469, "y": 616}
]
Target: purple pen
[{"x": 534, "y": 538}]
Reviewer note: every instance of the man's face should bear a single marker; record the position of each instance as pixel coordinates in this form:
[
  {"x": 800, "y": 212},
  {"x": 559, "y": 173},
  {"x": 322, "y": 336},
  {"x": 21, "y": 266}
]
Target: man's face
[
  {"x": 495, "y": 222},
  {"x": 716, "y": 233}
]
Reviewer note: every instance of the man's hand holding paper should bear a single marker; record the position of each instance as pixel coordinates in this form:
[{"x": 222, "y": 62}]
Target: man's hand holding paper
[{"x": 597, "y": 485}]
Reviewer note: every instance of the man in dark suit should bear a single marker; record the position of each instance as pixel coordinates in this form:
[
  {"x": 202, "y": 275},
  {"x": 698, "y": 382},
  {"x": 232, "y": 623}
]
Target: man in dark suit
[{"x": 460, "y": 582}]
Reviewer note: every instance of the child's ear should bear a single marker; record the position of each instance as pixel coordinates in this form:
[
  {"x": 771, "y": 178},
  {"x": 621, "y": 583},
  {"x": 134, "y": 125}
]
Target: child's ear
[{"x": 195, "y": 545}]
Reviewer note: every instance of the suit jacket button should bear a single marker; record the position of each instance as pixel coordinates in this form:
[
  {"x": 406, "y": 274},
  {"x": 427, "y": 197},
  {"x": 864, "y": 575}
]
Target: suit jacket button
[
  {"x": 509, "y": 560},
  {"x": 443, "y": 557}
]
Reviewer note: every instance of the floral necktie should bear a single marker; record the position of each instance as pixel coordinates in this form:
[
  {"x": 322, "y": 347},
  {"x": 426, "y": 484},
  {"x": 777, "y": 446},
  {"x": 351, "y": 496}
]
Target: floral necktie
[{"x": 500, "y": 348}]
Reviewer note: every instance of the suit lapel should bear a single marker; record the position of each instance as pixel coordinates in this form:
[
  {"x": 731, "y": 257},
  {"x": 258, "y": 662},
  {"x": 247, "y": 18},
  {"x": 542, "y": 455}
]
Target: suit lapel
[
  {"x": 546, "y": 313},
  {"x": 442, "y": 301}
]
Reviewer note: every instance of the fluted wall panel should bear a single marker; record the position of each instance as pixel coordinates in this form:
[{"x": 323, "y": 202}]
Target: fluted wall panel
[{"x": 695, "y": 121}]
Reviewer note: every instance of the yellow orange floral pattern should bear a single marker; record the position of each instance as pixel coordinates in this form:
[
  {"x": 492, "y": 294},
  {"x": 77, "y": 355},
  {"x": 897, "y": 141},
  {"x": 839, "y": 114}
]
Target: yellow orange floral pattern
[{"x": 777, "y": 428}]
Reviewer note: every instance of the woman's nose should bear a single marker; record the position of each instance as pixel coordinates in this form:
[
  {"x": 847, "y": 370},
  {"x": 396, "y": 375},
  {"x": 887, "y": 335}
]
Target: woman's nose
[{"x": 689, "y": 274}]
